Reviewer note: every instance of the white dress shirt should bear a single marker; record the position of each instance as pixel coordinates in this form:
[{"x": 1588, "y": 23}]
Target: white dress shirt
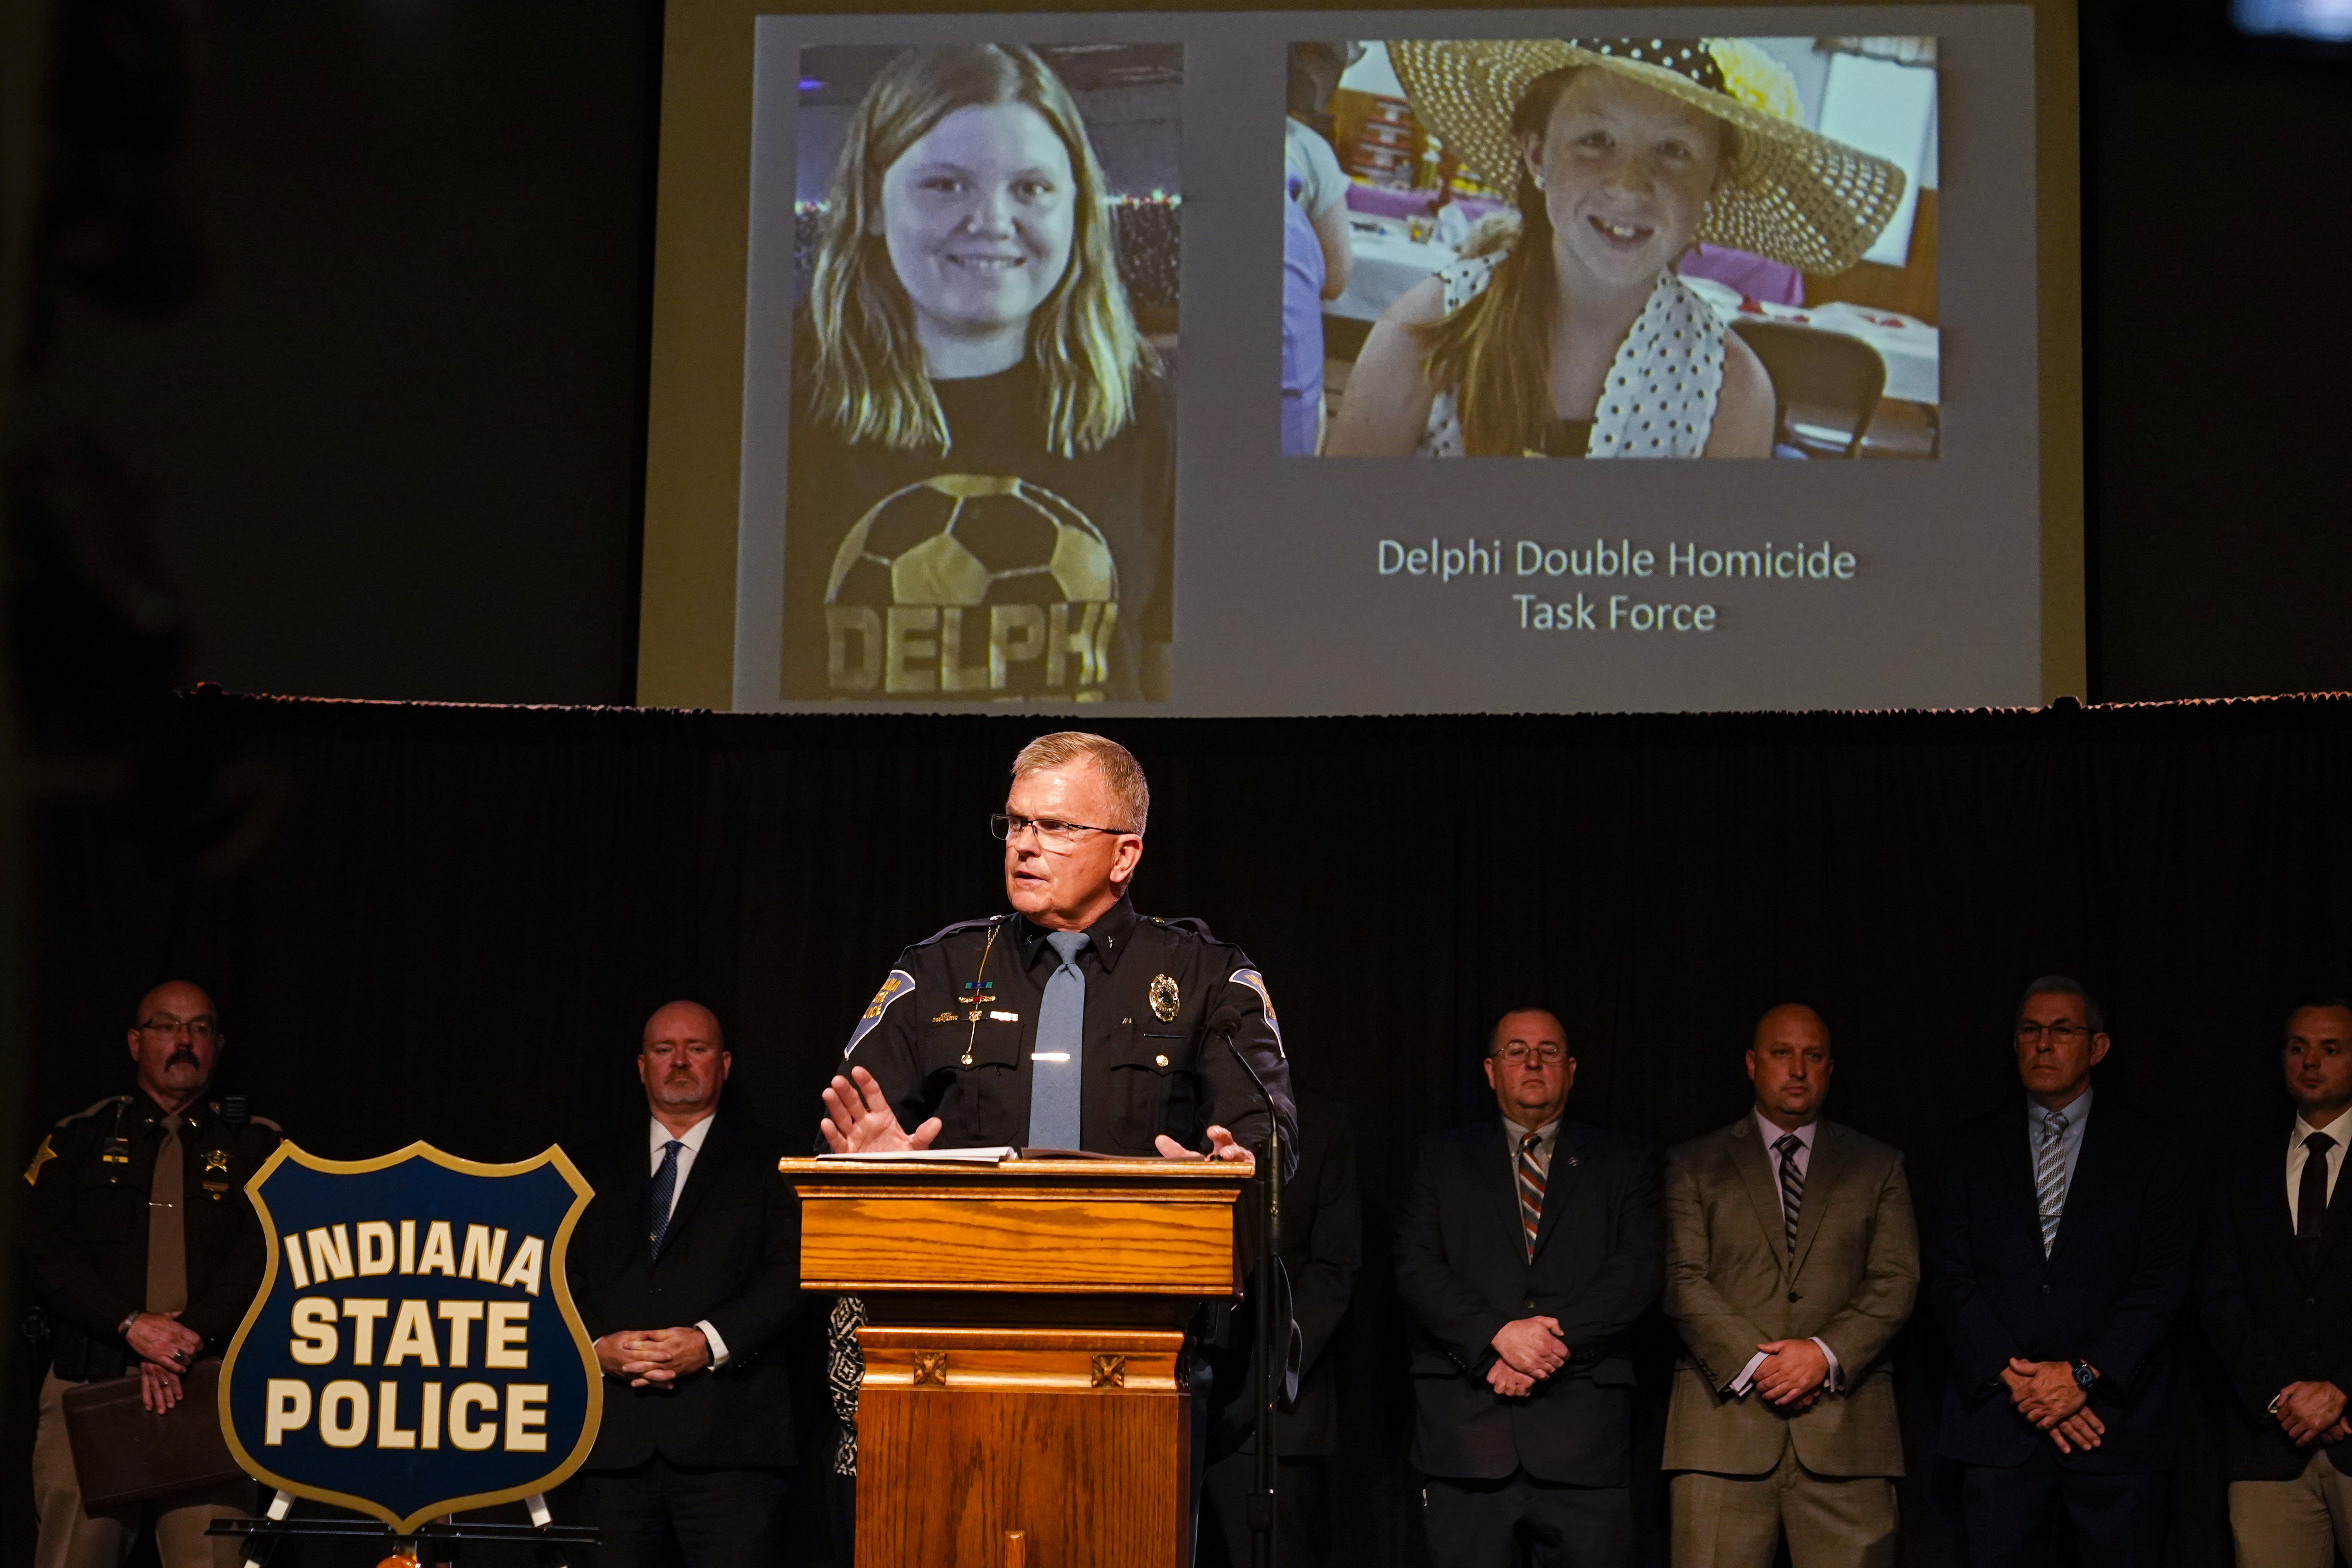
[
  {"x": 1771, "y": 1133},
  {"x": 2297, "y": 1156},
  {"x": 1547, "y": 1140},
  {"x": 692, "y": 1137}
]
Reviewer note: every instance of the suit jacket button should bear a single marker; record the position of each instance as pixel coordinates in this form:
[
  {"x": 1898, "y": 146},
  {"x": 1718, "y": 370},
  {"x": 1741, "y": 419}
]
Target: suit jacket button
[
  {"x": 1794, "y": 1296},
  {"x": 2045, "y": 1290},
  {"x": 657, "y": 1290},
  {"x": 1529, "y": 1303}
]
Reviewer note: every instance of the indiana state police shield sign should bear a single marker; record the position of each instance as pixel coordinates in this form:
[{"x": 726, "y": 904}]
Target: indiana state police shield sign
[{"x": 414, "y": 1348}]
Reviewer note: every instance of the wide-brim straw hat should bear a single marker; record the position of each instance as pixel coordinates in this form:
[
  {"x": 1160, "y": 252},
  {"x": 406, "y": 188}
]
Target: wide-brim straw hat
[{"x": 1793, "y": 194}]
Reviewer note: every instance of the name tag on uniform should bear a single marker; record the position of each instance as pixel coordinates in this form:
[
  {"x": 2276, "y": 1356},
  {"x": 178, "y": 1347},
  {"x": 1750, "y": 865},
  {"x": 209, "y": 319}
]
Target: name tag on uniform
[
  {"x": 1005, "y": 1017},
  {"x": 1049, "y": 1056}
]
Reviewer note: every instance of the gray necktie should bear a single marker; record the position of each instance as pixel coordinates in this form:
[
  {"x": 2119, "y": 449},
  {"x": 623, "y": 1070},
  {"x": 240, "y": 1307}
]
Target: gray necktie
[
  {"x": 2050, "y": 1177},
  {"x": 1054, "y": 1071}
]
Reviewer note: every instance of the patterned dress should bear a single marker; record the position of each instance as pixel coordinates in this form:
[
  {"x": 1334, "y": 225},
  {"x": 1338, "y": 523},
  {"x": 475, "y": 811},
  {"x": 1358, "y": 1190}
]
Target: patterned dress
[{"x": 1658, "y": 400}]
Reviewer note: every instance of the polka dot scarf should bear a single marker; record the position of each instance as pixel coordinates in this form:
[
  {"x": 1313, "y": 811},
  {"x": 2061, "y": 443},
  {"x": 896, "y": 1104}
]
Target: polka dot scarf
[{"x": 1658, "y": 399}]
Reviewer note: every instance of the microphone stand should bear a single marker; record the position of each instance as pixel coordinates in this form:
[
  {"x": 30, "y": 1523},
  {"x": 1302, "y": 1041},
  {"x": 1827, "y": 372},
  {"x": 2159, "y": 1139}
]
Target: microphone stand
[{"x": 1273, "y": 1337}]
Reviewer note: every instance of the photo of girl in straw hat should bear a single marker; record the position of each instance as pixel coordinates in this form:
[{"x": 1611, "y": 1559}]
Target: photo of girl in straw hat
[
  {"x": 1562, "y": 327},
  {"x": 980, "y": 500}
]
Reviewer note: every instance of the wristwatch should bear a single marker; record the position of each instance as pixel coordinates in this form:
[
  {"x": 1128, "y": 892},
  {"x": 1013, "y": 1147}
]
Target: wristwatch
[{"x": 2087, "y": 1377}]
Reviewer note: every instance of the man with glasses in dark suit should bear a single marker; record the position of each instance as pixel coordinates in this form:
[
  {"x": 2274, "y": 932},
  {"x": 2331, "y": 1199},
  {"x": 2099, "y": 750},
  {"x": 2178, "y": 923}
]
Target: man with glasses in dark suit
[
  {"x": 2057, "y": 1262},
  {"x": 1525, "y": 1251}
]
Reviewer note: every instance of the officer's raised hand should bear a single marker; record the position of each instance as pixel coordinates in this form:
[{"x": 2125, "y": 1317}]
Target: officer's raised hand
[
  {"x": 857, "y": 1118},
  {"x": 1221, "y": 1147}
]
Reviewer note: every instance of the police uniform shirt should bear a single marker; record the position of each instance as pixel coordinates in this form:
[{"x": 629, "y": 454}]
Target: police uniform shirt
[
  {"x": 87, "y": 1232},
  {"x": 951, "y": 1032}
]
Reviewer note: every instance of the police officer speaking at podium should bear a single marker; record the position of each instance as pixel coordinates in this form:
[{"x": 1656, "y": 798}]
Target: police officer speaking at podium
[{"x": 1073, "y": 1023}]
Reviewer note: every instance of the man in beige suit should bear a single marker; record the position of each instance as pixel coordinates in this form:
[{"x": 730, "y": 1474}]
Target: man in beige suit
[{"x": 1791, "y": 1260}]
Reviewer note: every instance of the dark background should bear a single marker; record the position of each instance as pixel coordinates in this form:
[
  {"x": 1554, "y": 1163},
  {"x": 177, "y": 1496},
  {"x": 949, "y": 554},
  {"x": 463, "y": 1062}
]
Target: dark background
[{"x": 329, "y": 380}]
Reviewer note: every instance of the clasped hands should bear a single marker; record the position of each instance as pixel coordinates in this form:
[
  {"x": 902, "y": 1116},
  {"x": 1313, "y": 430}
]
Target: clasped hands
[
  {"x": 858, "y": 1118},
  {"x": 653, "y": 1356},
  {"x": 2312, "y": 1413},
  {"x": 1793, "y": 1374},
  {"x": 1527, "y": 1350},
  {"x": 2046, "y": 1393},
  {"x": 165, "y": 1350}
]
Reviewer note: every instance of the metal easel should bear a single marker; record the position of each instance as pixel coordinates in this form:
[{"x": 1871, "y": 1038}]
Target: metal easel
[{"x": 262, "y": 1535}]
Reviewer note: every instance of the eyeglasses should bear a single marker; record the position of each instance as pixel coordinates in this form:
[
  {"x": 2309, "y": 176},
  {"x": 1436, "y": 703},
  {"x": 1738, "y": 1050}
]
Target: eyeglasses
[
  {"x": 1520, "y": 1051},
  {"x": 2060, "y": 1035},
  {"x": 1052, "y": 834},
  {"x": 165, "y": 1025}
]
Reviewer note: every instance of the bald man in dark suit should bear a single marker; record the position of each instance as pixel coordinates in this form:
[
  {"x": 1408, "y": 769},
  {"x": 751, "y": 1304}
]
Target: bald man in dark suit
[{"x": 686, "y": 1269}]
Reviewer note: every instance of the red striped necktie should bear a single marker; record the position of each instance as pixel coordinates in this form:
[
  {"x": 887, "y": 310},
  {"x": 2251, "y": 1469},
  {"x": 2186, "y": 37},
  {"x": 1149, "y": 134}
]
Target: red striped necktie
[{"x": 1530, "y": 1167}]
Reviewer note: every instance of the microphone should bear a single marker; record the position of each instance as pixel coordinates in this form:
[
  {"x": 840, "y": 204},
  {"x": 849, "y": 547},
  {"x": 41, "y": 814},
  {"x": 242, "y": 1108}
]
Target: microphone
[{"x": 1225, "y": 1021}]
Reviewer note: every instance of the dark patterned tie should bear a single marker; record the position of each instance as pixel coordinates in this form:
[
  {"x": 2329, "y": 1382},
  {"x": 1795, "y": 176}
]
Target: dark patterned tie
[
  {"x": 1530, "y": 1164},
  {"x": 1792, "y": 1187},
  {"x": 658, "y": 1202},
  {"x": 2311, "y": 1197}
]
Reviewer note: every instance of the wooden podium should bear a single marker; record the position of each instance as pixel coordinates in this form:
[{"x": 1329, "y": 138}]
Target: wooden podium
[{"x": 1026, "y": 1401}]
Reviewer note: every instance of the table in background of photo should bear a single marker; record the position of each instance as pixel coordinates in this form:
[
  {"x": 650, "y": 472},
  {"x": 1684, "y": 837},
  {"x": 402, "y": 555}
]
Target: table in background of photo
[{"x": 1388, "y": 261}]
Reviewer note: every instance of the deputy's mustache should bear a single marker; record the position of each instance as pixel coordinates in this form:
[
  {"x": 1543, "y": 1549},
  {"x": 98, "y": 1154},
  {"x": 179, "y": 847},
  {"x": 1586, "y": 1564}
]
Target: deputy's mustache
[{"x": 182, "y": 1054}]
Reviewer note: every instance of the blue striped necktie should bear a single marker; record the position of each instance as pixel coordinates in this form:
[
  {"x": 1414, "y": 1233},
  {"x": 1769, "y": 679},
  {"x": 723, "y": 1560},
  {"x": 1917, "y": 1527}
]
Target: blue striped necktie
[
  {"x": 658, "y": 1202},
  {"x": 1059, "y": 1058},
  {"x": 2050, "y": 1177}
]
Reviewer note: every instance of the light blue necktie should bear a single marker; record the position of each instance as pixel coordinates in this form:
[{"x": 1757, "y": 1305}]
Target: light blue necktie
[
  {"x": 1061, "y": 1034},
  {"x": 658, "y": 1202}
]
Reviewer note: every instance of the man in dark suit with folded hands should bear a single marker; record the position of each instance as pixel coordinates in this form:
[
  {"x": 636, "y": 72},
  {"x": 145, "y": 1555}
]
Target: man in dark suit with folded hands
[
  {"x": 686, "y": 1269},
  {"x": 1525, "y": 1251},
  {"x": 2277, "y": 1296},
  {"x": 2057, "y": 1262}
]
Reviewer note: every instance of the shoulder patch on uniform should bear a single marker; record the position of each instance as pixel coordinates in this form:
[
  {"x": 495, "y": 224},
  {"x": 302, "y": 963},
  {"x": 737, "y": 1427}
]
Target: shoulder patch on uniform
[
  {"x": 900, "y": 983},
  {"x": 1256, "y": 982},
  {"x": 949, "y": 930},
  {"x": 108, "y": 1103},
  {"x": 41, "y": 1156}
]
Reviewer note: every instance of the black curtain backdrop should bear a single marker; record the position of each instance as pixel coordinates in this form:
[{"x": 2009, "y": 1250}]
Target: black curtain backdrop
[{"x": 448, "y": 923}]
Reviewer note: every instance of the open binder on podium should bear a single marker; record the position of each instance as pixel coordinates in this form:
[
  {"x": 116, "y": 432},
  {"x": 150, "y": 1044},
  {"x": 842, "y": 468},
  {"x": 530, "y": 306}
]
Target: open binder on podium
[{"x": 1026, "y": 1398}]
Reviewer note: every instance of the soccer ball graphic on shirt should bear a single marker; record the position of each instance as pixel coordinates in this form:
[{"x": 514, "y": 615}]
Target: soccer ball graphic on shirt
[{"x": 977, "y": 583}]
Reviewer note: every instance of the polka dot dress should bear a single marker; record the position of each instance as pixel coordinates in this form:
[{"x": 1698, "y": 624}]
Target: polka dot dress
[{"x": 1658, "y": 399}]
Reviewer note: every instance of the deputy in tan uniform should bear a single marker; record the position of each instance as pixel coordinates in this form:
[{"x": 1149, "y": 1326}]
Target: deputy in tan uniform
[
  {"x": 1792, "y": 1259},
  {"x": 146, "y": 1255}
]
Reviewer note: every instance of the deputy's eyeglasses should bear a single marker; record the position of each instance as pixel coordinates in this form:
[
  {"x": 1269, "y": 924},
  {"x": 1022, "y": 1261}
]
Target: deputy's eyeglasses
[
  {"x": 164, "y": 1024},
  {"x": 1520, "y": 1051},
  {"x": 1052, "y": 834},
  {"x": 2060, "y": 1035}
]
